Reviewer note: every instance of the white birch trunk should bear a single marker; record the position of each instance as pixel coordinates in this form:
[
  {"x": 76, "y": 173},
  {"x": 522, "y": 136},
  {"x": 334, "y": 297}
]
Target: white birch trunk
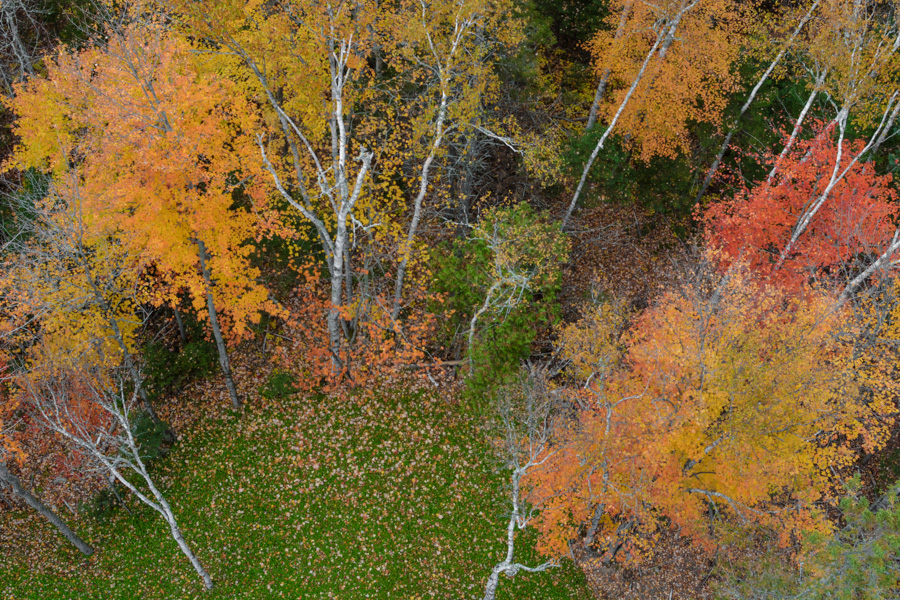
[
  {"x": 604, "y": 79},
  {"x": 718, "y": 160},
  {"x": 797, "y": 126},
  {"x": 112, "y": 447},
  {"x": 662, "y": 43},
  {"x": 837, "y": 175}
]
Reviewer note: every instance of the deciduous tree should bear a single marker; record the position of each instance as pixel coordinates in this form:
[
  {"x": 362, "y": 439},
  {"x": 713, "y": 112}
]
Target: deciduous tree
[
  {"x": 94, "y": 411},
  {"x": 665, "y": 84},
  {"x": 814, "y": 221},
  {"x": 159, "y": 145},
  {"x": 359, "y": 96},
  {"x": 731, "y": 397}
]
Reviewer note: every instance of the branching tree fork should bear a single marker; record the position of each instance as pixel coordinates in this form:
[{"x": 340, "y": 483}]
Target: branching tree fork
[
  {"x": 95, "y": 411},
  {"x": 526, "y": 419}
]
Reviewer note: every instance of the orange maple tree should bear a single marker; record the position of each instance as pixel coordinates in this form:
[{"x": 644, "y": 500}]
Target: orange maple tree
[
  {"x": 730, "y": 396},
  {"x": 161, "y": 147}
]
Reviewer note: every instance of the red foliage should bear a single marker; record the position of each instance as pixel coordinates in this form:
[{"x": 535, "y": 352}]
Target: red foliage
[
  {"x": 378, "y": 347},
  {"x": 855, "y": 219}
]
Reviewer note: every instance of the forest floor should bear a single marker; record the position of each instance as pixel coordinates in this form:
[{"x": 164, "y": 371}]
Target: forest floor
[{"x": 376, "y": 495}]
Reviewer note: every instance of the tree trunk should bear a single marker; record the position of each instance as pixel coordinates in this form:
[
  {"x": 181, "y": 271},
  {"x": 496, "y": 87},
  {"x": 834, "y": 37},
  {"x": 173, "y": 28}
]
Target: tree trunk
[
  {"x": 797, "y": 126},
  {"x": 640, "y": 75},
  {"x": 604, "y": 80},
  {"x": 161, "y": 505},
  {"x": 139, "y": 382},
  {"x": 217, "y": 332},
  {"x": 887, "y": 129},
  {"x": 181, "y": 333},
  {"x": 490, "y": 590},
  {"x": 595, "y": 524},
  {"x": 718, "y": 161},
  {"x": 335, "y": 329},
  {"x": 43, "y": 509},
  {"x": 195, "y": 562},
  {"x": 487, "y": 303}
]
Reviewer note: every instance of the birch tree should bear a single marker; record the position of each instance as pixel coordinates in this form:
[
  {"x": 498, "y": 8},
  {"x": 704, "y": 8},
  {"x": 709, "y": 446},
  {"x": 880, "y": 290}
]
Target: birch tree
[
  {"x": 857, "y": 47},
  {"x": 332, "y": 142},
  {"x": 94, "y": 412},
  {"x": 752, "y": 96},
  {"x": 854, "y": 221},
  {"x": 526, "y": 420},
  {"x": 664, "y": 86}
]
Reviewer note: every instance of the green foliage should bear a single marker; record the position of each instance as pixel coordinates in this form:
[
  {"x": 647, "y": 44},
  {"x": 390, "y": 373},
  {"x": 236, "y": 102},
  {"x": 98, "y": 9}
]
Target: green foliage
[
  {"x": 166, "y": 371},
  {"x": 571, "y": 23},
  {"x": 662, "y": 184},
  {"x": 279, "y": 385},
  {"x": 512, "y": 243},
  {"x": 504, "y": 344},
  {"x": 153, "y": 438},
  {"x": 888, "y": 467},
  {"x": 858, "y": 562}
]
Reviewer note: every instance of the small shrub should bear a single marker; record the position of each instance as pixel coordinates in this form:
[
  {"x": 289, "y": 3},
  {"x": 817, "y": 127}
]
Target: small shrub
[
  {"x": 280, "y": 384},
  {"x": 101, "y": 506},
  {"x": 153, "y": 438},
  {"x": 167, "y": 371},
  {"x": 510, "y": 247}
]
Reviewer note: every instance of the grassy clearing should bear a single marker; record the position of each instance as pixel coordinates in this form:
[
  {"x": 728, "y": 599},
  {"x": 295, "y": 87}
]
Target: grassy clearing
[{"x": 389, "y": 497}]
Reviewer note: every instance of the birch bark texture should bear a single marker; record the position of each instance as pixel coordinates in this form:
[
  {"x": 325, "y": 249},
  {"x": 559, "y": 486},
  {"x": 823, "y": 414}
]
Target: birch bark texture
[
  {"x": 94, "y": 412},
  {"x": 525, "y": 419}
]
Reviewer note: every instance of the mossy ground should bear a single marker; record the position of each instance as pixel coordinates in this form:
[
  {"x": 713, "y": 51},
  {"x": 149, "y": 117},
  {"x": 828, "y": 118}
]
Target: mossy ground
[{"x": 389, "y": 495}]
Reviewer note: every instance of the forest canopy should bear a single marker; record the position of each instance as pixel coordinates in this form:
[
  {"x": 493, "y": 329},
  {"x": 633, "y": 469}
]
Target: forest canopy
[{"x": 449, "y": 298}]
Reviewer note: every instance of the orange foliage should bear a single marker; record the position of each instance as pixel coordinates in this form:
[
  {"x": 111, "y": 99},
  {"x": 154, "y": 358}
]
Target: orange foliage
[
  {"x": 729, "y": 396},
  {"x": 381, "y": 346},
  {"x": 689, "y": 81},
  {"x": 159, "y": 147}
]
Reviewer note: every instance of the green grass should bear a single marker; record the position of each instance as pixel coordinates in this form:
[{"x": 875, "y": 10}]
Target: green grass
[{"x": 390, "y": 497}]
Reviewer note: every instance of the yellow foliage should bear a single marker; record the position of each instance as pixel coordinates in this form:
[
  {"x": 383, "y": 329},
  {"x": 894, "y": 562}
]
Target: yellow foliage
[{"x": 690, "y": 81}]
